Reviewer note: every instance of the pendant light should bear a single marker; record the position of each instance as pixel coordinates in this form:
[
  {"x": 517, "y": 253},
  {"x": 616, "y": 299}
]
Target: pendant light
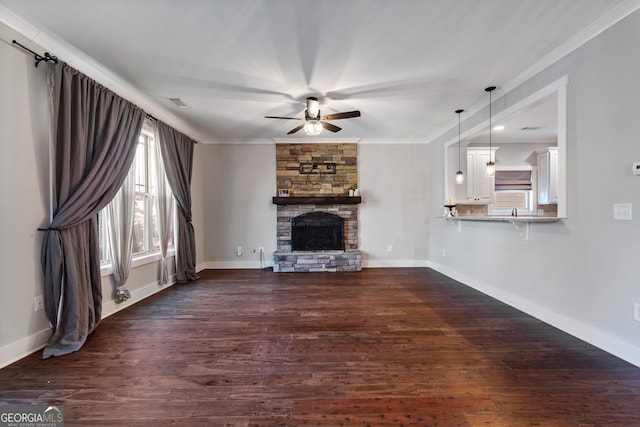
[
  {"x": 491, "y": 166},
  {"x": 459, "y": 174}
]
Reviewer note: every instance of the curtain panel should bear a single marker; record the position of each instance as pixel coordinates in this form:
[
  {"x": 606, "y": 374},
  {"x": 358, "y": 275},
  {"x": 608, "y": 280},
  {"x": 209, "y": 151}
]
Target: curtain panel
[
  {"x": 119, "y": 217},
  {"x": 177, "y": 156},
  {"x": 95, "y": 133},
  {"x": 164, "y": 205}
]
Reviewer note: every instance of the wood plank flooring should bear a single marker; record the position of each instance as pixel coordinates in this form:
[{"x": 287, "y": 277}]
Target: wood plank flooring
[{"x": 383, "y": 347}]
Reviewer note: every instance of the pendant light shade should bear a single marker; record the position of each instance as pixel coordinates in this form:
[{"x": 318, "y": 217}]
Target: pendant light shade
[
  {"x": 459, "y": 174},
  {"x": 491, "y": 166}
]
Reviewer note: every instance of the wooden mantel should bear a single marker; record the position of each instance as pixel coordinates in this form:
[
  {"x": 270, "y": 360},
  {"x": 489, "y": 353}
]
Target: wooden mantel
[{"x": 317, "y": 200}]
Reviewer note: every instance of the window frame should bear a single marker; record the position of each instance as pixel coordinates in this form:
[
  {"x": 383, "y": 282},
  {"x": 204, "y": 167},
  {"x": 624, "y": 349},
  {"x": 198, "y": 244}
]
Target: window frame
[{"x": 150, "y": 254}]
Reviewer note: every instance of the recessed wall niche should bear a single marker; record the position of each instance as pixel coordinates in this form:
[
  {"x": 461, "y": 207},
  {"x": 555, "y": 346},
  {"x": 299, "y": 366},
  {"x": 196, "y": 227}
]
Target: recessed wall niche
[{"x": 289, "y": 157}]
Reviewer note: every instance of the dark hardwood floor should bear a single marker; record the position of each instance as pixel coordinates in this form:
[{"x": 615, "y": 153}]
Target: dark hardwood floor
[{"x": 380, "y": 347}]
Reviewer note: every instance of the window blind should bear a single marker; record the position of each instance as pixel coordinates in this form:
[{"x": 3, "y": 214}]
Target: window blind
[{"x": 513, "y": 180}]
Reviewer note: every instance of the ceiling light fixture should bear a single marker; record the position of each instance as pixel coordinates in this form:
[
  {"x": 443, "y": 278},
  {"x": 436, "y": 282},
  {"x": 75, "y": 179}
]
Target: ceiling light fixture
[
  {"x": 312, "y": 127},
  {"x": 459, "y": 174},
  {"x": 491, "y": 166}
]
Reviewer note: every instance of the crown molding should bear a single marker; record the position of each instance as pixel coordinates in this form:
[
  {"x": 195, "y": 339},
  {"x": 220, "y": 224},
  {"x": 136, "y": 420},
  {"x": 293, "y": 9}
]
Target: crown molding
[
  {"x": 603, "y": 23},
  {"x": 95, "y": 70}
]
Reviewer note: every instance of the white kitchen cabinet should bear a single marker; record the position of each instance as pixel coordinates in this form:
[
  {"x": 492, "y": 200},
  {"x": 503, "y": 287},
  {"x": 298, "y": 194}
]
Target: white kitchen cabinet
[
  {"x": 480, "y": 187},
  {"x": 548, "y": 176}
]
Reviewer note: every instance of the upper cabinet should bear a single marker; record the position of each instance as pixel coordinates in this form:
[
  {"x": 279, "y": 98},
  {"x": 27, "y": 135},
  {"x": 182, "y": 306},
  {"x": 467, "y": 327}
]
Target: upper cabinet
[
  {"x": 548, "y": 176},
  {"x": 480, "y": 187}
]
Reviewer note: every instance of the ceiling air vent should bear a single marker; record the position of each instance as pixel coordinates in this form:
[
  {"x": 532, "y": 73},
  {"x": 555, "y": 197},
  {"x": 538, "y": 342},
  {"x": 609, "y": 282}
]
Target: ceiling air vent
[{"x": 179, "y": 103}]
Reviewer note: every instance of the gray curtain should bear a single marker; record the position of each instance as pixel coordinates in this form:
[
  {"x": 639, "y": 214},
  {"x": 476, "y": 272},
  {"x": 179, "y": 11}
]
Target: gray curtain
[
  {"x": 95, "y": 133},
  {"x": 177, "y": 155},
  {"x": 119, "y": 217},
  {"x": 165, "y": 204}
]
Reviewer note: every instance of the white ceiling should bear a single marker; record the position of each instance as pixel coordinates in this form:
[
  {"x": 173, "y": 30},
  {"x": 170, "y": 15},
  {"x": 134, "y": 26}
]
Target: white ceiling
[{"x": 406, "y": 65}]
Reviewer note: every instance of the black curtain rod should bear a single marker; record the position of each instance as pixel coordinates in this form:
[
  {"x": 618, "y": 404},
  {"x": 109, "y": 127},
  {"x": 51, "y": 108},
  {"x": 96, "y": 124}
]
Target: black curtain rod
[{"x": 39, "y": 58}]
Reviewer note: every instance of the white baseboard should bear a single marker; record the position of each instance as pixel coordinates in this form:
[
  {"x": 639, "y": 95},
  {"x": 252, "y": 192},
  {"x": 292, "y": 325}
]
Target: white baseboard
[
  {"x": 23, "y": 347},
  {"x": 219, "y": 265},
  {"x": 394, "y": 263},
  {"x": 594, "y": 336},
  {"x": 222, "y": 265},
  {"x": 111, "y": 307}
]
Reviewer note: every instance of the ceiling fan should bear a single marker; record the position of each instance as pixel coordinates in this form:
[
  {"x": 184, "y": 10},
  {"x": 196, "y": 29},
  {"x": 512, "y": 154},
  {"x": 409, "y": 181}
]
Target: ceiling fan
[{"x": 313, "y": 122}]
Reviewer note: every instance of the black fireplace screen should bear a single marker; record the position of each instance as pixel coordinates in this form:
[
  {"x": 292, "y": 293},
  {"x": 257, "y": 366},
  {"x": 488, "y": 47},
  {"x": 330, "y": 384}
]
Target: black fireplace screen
[{"x": 316, "y": 231}]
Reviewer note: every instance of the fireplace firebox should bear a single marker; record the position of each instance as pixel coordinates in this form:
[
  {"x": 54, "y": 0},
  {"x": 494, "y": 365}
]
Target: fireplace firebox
[{"x": 317, "y": 231}]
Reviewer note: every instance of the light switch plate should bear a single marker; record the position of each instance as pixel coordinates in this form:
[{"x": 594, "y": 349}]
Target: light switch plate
[{"x": 622, "y": 211}]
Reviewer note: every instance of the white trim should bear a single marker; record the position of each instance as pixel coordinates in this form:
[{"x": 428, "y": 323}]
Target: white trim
[
  {"x": 234, "y": 265},
  {"x": 379, "y": 263},
  {"x": 603, "y": 340},
  {"x": 603, "y": 23},
  {"x": 394, "y": 263},
  {"x": 23, "y": 347},
  {"x": 316, "y": 141},
  {"x": 14, "y": 351},
  {"x": 559, "y": 87},
  {"x": 111, "y": 307},
  {"x": 259, "y": 141},
  {"x": 96, "y": 70},
  {"x": 270, "y": 141}
]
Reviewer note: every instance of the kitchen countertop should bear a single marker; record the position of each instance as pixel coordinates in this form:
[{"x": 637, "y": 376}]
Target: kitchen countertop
[{"x": 505, "y": 218}]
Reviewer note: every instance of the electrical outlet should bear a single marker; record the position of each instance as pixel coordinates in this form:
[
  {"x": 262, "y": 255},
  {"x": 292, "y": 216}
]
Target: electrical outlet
[
  {"x": 389, "y": 248},
  {"x": 38, "y": 303},
  {"x": 261, "y": 249},
  {"x": 239, "y": 251},
  {"x": 636, "y": 311},
  {"x": 444, "y": 253}
]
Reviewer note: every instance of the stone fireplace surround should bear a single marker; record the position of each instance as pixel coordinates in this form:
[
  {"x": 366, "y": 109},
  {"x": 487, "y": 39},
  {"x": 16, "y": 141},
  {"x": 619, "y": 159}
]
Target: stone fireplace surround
[
  {"x": 286, "y": 260},
  {"x": 321, "y": 193}
]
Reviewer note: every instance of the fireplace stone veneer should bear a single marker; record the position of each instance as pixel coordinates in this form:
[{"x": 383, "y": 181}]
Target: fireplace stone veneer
[
  {"x": 317, "y": 192},
  {"x": 287, "y": 260}
]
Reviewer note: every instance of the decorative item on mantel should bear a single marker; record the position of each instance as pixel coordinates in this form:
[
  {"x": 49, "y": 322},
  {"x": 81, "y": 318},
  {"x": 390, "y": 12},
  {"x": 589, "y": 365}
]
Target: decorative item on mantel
[{"x": 450, "y": 210}]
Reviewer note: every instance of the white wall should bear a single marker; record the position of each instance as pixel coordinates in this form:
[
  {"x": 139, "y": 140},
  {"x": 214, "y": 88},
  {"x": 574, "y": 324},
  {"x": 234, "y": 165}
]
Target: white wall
[
  {"x": 582, "y": 274},
  {"x": 240, "y": 180},
  {"x": 393, "y": 179},
  {"x": 24, "y": 189}
]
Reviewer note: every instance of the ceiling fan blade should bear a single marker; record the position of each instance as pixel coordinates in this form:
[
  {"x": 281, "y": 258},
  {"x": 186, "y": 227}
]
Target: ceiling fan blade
[
  {"x": 295, "y": 129},
  {"x": 329, "y": 126},
  {"x": 286, "y": 118},
  {"x": 346, "y": 115}
]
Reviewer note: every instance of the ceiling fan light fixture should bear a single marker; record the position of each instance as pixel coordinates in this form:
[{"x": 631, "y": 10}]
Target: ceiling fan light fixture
[
  {"x": 313, "y": 107},
  {"x": 313, "y": 127}
]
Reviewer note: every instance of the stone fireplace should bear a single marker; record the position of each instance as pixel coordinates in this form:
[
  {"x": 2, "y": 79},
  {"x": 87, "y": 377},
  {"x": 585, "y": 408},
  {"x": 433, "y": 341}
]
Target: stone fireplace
[{"x": 317, "y": 220}]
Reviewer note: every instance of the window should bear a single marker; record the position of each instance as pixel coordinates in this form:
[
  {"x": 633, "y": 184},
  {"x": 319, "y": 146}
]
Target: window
[
  {"x": 514, "y": 188},
  {"x": 146, "y": 233}
]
